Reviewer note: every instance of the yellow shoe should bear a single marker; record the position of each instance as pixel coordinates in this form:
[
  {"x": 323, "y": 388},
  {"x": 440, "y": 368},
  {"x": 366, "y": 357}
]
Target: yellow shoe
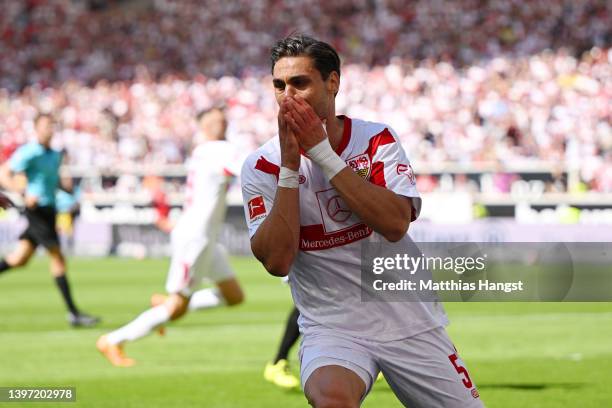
[
  {"x": 156, "y": 300},
  {"x": 113, "y": 353},
  {"x": 280, "y": 375}
]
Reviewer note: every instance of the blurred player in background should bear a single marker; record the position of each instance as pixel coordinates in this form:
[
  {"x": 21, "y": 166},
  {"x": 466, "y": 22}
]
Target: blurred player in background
[
  {"x": 159, "y": 202},
  {"x": 34, "y": 171},
  {"x": 196, "y": 255},
  {"x": 162, "y": 211},
  {"x": 68, "y": 208},
  {"x": 312, "y": 196}
]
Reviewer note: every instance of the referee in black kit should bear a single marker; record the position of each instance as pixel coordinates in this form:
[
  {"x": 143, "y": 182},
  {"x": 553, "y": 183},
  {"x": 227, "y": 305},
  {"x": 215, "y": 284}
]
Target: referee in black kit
[{"x": 34, "y": 171}]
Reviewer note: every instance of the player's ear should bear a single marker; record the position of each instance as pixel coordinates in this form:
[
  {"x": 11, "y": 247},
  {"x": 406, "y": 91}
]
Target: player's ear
[{"x": 333, "y": 83}]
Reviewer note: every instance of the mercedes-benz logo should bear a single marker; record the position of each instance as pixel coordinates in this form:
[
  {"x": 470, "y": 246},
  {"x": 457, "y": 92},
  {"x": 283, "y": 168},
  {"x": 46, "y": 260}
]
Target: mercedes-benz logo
[{"x": 337, "y": 209}]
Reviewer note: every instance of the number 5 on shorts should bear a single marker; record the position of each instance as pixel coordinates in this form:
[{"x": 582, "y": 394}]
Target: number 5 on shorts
[{"x": 461, "y": 370}]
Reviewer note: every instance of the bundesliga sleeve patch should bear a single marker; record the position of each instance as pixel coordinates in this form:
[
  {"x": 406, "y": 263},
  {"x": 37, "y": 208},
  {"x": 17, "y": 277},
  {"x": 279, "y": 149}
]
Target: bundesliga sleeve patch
[{"x": 257, "y": 208}]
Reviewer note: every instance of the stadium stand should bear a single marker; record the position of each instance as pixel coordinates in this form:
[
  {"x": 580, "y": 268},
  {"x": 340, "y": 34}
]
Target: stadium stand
[{"x": 493, "y": 98}]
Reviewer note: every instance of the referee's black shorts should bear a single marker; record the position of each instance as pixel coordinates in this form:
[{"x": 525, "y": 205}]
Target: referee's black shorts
[{"x": 41, "y": 227}]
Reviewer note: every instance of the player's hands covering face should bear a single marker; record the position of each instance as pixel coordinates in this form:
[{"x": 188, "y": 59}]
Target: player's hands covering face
[
  {"x": 304, "y": 122},
  {"x": 290, "y": 149}
]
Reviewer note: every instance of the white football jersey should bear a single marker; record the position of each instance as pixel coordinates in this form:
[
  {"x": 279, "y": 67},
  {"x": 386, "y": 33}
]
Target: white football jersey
[
  {"x": 326, "y": 274},
  {"x": 210, "y": 170}
]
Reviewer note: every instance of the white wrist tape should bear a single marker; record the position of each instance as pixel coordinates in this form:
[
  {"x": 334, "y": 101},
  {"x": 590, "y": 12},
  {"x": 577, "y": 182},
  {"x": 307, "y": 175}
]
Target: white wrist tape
[
  {"x": 326, "y": 158},
  {"x": 288, "y": 178}
]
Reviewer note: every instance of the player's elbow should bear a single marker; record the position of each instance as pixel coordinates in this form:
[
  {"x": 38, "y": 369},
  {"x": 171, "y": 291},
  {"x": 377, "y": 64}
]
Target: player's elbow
[
  {"x": 393, "y": 236},
  {"x": 278, "y": 266},
  {"x": 397, "y": 231},
  {"x": 277, "y": 271},
  {"x": 398, "y": 226},
  {"x": 276, "y": 258}
]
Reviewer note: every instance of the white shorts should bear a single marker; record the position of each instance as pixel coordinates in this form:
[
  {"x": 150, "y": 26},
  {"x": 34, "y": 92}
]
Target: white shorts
[
  {"x": 194, "y": 261},
  {"x": 424, "y": 371}
]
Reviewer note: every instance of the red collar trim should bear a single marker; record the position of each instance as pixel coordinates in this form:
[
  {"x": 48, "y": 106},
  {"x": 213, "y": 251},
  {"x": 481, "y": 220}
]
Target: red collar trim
[{"x": 346, "y": 137}]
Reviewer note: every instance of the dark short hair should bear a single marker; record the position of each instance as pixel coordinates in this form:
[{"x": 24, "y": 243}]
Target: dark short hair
[
  {"x": 325, "y": 57},
  {"x": 205, "y": 112}
]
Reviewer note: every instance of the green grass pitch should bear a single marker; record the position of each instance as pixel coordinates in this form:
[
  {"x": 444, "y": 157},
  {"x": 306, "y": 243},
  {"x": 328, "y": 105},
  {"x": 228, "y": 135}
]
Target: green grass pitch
[{"x": 520, "y": 355}]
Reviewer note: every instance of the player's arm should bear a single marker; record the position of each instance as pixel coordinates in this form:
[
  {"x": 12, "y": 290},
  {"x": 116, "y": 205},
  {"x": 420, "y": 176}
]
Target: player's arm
[
  {"x": 65, "y": 183},
  {"x": 384, "y": 211},
  {"x": 12, "y": 181},
  {"x": 162, "y": 211},
  {"x": 276, "y": 242},
  {"x": 164, "y": 224}
]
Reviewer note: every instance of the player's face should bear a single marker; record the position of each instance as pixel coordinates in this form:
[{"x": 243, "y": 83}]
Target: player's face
[
  {"x": 299, "y": 76},
  {"x": 214, "y": 124},
  {"x": 44, "y": 130}
]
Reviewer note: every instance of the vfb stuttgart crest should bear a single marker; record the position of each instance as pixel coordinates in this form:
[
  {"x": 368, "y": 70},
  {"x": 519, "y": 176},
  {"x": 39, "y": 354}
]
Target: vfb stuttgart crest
[{"x": 361, "y": 165}]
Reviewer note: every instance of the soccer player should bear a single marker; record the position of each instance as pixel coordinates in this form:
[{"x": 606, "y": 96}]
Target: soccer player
[
  {"x": 312, "y": 196},
  {"x": 196, "y": 255},
  {"x": 34, "y": 171}
]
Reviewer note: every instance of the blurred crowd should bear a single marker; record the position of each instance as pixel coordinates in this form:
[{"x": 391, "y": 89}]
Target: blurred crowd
[
  {"x": 507, "y": 82},
  {"x": 50, "y": 41}
]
